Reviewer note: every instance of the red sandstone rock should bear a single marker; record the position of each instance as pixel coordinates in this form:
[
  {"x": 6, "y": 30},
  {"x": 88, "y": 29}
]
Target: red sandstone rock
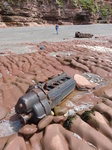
[
  {"x": 58, "y": 119},
  {"x": 88, "y": 99},
  {"x": 20, "y": 71},
  {"x": 108, "y": 93},
  {"x": 61, "y": 139},
  {"x": 40, "y": 66},
  {"x": 101, "y": 72},
  {"x": 99, "y": 122},
  {"x": 105, "y": 110},
  {"x": 3, "y": 112},
  {"x": 82, "y": 83},
  {"x": 80, "y": 66},
  {"x": 108, "y": 103},
  {"x": 35, "y": 142},
  {"x": 16, "y": 142},
  {"x": 70, "y": 71},
  {"x": 28, "y": 129},
  {"x": 3, "y": 142},
  {"x": 104, "y": 92},
  {"x": 44, "y": 122},
  {"x": 59, "y": 110},
  {"x": 89, "y": 134}
]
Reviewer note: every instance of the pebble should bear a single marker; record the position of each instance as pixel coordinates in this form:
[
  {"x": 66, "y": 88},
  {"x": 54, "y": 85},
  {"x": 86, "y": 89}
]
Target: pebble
[
  {"x": 28, "y": 129},
  {"x": 45, "y": 121},
  {"x": 58, "y": 119},
  {"x": 60, "y": 110}
]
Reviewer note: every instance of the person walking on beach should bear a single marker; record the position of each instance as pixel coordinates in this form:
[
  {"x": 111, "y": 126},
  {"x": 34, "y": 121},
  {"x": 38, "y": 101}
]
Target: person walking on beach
[{"x": 57, "y": 27}]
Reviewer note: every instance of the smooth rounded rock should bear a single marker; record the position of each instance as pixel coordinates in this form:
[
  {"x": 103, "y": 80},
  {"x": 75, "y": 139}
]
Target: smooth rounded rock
[
  {"x": 16, "y": 143},
  {"x": 108, "y": 93},
  {"x": 58, "y": 138},
  {"x": 58, "y": 119},
  {"x": 59, "y": 110},
  {"x": 28, "y": 129},
  {"x": 44, "y": 122},
  {"x": 35, "y": 141}
]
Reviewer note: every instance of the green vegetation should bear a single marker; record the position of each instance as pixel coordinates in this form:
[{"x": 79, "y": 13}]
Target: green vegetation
[
  {"x": 87, "y": 4},
  {"x": 87, "y": 115},
  {"x": 75, "y": 4},
  {"x": 93, "y": 6},
  {"x": 5, "y": 145},
  {"x": 68, "y": 122},
  {"x": 60, "y": 2},
  {"x": 96, "y": 124},
  {"x": 50, "y": 1},
  {"x": 105, "y": 10},
  {"x": 90, "y": 6},
  {"x": 11, "y": 1}
]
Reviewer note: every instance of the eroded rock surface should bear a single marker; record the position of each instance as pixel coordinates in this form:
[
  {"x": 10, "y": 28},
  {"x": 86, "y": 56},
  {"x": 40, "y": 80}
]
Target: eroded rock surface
[
  {"x": 3, "y": 112},
  {"x": 83, "y": 120}
]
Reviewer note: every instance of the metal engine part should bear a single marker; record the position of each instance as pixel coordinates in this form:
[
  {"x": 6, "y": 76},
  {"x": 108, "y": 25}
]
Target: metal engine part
[{"x": 42, "y": 97}]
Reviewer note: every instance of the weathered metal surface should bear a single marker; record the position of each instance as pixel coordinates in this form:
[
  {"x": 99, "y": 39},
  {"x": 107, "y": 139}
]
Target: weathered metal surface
[{"x": 44, "y": 96}]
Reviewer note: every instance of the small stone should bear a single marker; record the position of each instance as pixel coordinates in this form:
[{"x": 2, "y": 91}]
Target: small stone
[
  {"x": 66, "y": 114},
  {"x": 42, "y": 47},
  {"x": 28, "y": 129},
  {"x": 76, "y": 109},
  {"x": 82, "y": 83},
  {"x": 45, "y": 121},
  {"x": 60, "y": 110},
  {"x": 58, "y": 119},
  {"x": 52, "y": 113},
  {"x": 71, "y": 112},
  {"x": 3, "y": 112}
]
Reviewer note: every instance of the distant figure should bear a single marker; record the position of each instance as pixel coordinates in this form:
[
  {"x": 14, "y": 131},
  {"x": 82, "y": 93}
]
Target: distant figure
[{"x": 57, "y": 27}]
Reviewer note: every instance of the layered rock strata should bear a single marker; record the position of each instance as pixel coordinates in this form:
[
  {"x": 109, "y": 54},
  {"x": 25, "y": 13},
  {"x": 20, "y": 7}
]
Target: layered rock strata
[{"x": 33, "y": 13}]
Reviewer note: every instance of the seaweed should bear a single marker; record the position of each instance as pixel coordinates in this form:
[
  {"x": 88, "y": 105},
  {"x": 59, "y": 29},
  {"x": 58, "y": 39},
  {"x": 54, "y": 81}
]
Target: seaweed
[
  {"x": 68, "y": 122},
  {"x": 5, "y": 145},
  {"x": 96, "y": 125},
  {"x": 87, "y": 115}
]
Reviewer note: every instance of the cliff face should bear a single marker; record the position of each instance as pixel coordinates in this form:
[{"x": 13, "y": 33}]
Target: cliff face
[{"x": 33, "y": 12}]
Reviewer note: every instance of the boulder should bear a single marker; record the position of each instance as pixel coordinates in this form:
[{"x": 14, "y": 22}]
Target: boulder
[{"x": 83, "y": 35}]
